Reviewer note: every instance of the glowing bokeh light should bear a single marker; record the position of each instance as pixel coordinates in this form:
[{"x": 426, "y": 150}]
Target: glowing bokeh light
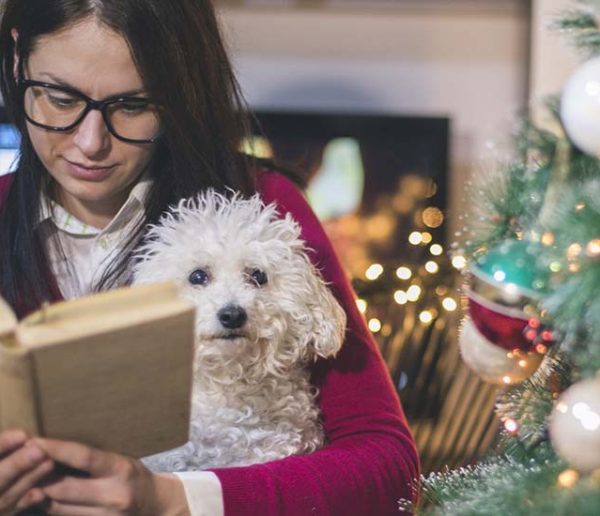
[
  {"x": 432, "y": 267},
  {"x": 375, "y": 325},
  {"x": 400, "y": 297},
  {"x": 403, "y": 273},
  {"x": 374, "y": 271},
  {"x": 362, "y": 305},
  {"x": 449, "y": 304},
  {"x": 436, "y": 250},
  {"x": 459, "y": 262},
  {"x": 415, "y": 238}
]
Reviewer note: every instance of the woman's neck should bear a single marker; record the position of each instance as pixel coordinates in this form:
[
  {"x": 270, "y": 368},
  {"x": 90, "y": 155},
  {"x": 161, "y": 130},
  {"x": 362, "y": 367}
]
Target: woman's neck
[{"x": 97, "y": 214}]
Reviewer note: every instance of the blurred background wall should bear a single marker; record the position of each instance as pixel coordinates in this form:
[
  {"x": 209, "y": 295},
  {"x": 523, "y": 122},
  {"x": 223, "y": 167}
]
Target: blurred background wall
[{"x": 467, "y": 60}]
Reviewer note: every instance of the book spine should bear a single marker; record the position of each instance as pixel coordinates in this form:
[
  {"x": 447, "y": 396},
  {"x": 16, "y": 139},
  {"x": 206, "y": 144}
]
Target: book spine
[{"x": 17, "y": 392}]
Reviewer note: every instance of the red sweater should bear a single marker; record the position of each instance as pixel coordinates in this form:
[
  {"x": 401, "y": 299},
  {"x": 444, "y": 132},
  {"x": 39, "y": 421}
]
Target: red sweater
[{"x": 370, "y": 458}]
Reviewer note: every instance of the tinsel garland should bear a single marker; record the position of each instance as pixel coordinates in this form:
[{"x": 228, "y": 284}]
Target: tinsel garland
[{"x": 506, "y": 485}]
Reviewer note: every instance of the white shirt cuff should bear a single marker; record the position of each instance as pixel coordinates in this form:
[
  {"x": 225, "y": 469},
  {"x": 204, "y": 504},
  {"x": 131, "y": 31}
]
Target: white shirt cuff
[{"x": 203, "y": 493}]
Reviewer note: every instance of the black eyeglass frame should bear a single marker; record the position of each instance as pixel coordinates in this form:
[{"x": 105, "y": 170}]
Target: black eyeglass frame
[{"x": 99, "y": 105}]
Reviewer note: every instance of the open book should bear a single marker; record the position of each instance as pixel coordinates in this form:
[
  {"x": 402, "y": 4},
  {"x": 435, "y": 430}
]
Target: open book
[{"x": 112, "y": 370}]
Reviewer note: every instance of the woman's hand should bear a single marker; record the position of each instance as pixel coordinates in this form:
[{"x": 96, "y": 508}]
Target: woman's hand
[
  {"x": 114, "y": 485},
  {"x": 22, "y": 466}
]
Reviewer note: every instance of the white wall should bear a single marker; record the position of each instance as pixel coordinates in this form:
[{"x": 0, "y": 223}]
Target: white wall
[
  {"x": 552, "y": 57},
  {"x": 466, "y": 62}
]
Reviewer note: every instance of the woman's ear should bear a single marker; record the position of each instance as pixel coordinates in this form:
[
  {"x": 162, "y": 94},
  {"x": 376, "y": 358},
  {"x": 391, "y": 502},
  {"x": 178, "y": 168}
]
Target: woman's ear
[{"x": 15, "y": 36}]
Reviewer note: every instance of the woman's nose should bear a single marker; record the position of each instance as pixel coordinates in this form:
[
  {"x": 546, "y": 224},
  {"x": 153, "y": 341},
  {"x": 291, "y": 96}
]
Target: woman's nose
[{"x": 91, "y": 135}]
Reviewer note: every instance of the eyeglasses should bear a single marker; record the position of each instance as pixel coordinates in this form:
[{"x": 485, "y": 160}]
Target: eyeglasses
[{"x": 59, "y": 108}]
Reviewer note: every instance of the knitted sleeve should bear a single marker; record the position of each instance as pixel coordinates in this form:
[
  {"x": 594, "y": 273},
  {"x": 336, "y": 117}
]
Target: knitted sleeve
[{"x": 370, "y": 460}]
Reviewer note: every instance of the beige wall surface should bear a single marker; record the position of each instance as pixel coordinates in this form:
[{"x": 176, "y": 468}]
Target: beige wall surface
[
  {"x": 552, "y": 57},
  {"x": 469, "y": 63}
]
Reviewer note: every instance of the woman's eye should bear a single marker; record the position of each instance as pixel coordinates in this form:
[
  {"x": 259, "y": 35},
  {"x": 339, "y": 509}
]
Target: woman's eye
[
  {"x": 258, "y": 277},
  {"x": 132, "y": 108},
  {"x": 198, "y": 277},
  {"x": 63, "y": 102}
]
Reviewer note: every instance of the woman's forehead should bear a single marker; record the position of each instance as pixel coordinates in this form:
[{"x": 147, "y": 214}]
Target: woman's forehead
[{"x": 88, "y": 56}]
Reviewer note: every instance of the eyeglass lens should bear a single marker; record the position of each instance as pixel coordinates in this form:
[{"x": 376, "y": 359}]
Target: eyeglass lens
[{"x": 134, "y": 119}]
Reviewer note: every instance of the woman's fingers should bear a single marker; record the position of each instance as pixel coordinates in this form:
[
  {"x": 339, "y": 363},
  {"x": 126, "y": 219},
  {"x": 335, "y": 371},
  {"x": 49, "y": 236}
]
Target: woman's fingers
[
  {"x": 18, "y": 495},
  {"x": 32, "y": 497},
  {"x": 60, "y": 509},
  {"x": 78, "y": 456},
  {"x": 11, "y": 440},
  {"x": 73, "y": 490},
  {"x": 18, "y": 464}
]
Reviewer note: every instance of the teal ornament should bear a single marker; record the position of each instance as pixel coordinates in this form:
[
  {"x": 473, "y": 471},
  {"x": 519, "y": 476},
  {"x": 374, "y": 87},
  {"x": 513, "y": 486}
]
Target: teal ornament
[{"x": 514, "y": 265}]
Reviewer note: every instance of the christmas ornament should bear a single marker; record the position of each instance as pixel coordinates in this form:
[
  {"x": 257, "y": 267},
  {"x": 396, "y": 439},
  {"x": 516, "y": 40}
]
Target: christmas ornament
[
  {"x": 497, "y": 340},
  {"x": 492, "y": 363},
  {"x": 580, "y": 107},
  {"x": 574, "y": 425},
  {"x": 513, "y": 268}
]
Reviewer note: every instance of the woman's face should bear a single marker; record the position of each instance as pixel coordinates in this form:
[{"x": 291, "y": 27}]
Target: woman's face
[{"x": 93, "y": 170}]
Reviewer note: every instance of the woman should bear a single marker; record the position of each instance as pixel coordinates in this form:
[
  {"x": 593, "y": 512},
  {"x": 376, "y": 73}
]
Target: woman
[{"x": 126, "y": 106}]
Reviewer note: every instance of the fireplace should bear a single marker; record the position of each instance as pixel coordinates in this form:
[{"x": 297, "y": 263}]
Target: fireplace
[{"x": 379, "y": 185}]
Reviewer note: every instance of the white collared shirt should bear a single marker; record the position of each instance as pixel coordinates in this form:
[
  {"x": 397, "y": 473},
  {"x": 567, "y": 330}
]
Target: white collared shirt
[{"x": 78, "y": 261}]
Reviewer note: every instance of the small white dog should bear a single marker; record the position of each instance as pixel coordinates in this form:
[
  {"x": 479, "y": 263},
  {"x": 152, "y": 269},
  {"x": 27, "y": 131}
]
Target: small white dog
[{"x": 263, "y": 313}]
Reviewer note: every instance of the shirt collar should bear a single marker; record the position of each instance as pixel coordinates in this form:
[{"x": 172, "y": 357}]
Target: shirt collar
[{"x": 64, "y": 221}]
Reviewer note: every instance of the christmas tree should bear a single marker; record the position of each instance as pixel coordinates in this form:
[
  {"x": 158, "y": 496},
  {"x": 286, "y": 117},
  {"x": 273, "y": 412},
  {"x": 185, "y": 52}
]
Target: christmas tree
[{"x": 532, "y": 308}]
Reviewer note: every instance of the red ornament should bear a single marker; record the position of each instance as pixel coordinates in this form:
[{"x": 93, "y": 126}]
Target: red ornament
[{"x": 500, "y": 325}]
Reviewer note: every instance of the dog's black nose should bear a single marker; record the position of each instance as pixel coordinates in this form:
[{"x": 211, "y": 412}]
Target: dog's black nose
[{"x": 232, "y": 316}]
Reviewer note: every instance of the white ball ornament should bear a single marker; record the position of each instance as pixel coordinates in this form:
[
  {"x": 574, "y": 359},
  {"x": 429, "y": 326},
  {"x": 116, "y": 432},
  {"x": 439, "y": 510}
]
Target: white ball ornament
[
  {"x": 574, "y": 425},
  {"x": 580, "y": 107}
]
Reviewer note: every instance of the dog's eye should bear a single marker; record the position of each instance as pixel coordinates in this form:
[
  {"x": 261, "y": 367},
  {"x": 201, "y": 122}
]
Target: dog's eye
[
  {"x": 198, "y": 277},
  {"x": 258, "y": 277}
]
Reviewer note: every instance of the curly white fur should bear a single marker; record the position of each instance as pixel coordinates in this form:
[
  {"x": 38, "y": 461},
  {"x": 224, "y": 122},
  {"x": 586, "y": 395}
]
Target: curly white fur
[{"x": 252, "y": 399}]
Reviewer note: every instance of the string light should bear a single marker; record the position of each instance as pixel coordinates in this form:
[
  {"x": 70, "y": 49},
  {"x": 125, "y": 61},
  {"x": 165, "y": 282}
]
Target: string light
[
  {"x": 375, "y": 325},
  {"x": 555, "y": 267},
  {"x": 431, "y": 267},
  {"x": 386, "y": 330},
  {"x": 441, "y": 290},
  {"x": 374, "y": 271},
  {"x": 511, "y": 426},
  {"x": 573, "y": 251},
  {"x": 415, "y": 238},
  {"x": 449, "y": 304},
  {"x": 547, "y": 238},
  {"x": 426, "y": 316},
  {"x": 507, "y": 380},
  {"x": 593, "y": 247},
  {"x": 362, "y": 305},
  {"x": 400, "y": 297},
  {"x": 426, "y": 237},
  {"x": 413, "y": 293},
  {"x": 568, "y": 478},
  {"x": 459, "y": 262},
  {"x": 436, "y": 250},
  {"x": 403, "y": 273},
  {"x": 433, "y": 217}
]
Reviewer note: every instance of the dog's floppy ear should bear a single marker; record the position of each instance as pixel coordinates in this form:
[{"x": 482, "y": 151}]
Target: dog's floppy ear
[{"x": 327, "y": 319}]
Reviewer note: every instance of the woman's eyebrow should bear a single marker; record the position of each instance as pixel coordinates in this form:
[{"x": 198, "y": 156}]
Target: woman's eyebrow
[{"x": 61, "y": 82}]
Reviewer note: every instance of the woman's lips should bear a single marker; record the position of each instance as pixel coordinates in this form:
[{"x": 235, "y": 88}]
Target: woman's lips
[{"x": 88, "y": 173}]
